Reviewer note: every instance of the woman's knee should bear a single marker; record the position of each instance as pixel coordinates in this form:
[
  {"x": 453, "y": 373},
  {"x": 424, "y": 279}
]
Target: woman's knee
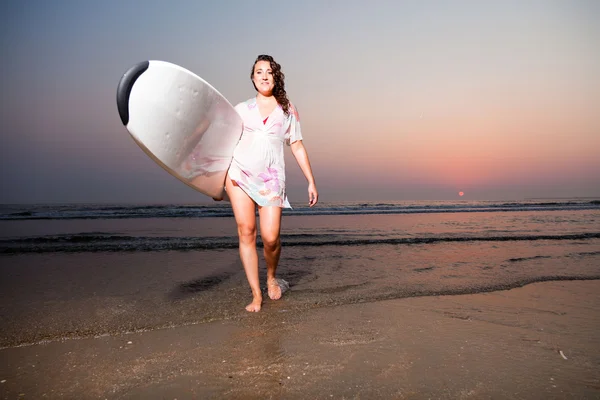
[
  {"x": 270, "y": 242},
  {"x": 247, "y": 232}
]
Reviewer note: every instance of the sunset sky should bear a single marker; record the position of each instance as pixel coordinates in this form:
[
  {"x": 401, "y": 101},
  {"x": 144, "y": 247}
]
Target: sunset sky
[{"x": 399, "y": 100}]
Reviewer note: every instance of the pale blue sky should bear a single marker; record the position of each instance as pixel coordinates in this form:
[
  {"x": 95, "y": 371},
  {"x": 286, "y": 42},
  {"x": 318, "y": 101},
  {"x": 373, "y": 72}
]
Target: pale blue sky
[{"x": 398, "y": 99}]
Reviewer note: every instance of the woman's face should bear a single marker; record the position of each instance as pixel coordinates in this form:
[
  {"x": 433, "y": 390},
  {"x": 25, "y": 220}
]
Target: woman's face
[{"x": 263, "y": 78}]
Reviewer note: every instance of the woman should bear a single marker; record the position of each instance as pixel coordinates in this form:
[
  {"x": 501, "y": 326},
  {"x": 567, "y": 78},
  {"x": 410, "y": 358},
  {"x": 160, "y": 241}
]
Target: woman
[{"x": 256, "y": 177}]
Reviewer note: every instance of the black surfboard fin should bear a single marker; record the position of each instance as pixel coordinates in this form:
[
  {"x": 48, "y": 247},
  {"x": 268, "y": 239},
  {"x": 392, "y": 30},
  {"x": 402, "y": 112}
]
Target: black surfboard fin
[{"x": 124, "y": 89}]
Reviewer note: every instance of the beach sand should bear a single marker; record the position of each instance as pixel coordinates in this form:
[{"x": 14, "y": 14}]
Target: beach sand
[
  {"x": 501, "y": 345},
  {"x": 479, "y": 305}
]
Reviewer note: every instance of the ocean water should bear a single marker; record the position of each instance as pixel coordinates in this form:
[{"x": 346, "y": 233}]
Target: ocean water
[
  {"x": 107, "y": 228},
  {"x": 86, "y": 270}
]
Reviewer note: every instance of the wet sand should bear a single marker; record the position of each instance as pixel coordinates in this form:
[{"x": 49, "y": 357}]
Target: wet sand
[
  {"x": 501, "y": 345},
  {"x": 52, "y": 296},
  {"x": 480, "y": 306}
]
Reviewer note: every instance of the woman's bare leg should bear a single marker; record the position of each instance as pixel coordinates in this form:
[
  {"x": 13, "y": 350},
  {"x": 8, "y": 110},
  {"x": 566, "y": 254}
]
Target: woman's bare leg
[
  {"x": 244, "y": 212},
  {"x": 270, "y": 227}
]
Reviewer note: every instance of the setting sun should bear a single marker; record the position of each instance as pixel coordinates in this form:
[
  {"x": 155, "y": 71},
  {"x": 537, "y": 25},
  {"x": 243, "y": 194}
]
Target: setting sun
[{"x": 461, "y": 194}]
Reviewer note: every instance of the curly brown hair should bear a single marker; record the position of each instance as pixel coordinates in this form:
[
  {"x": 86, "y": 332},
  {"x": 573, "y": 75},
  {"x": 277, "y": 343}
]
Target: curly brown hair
[{"x": 279, "y": 78}]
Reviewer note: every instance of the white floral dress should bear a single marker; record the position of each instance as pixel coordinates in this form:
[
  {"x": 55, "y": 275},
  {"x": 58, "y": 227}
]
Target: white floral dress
[{"x": 258, "y": 166}]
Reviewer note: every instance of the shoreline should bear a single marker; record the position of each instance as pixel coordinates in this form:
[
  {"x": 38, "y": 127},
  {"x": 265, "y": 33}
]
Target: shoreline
[
  {"x": 502, "y": 344},
  {"x": 50, "y": 296},
  {"x": 446, "y": 293}
]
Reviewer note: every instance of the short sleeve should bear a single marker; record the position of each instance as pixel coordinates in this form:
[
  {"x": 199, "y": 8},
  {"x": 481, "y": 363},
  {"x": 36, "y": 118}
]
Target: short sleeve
[
  {"x": 240, "y": 109},
  {"x": 293, "y": 132}
]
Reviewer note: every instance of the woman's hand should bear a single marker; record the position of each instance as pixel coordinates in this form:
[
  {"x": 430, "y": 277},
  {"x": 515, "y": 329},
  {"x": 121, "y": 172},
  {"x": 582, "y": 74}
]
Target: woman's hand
[
  {"x": 313, "y": 195},
  {"x": 301, "y": 156}
]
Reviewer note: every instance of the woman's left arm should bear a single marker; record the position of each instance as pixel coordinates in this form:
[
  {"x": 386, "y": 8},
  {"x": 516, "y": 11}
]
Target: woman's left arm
[{"x": 301, "y": 156}]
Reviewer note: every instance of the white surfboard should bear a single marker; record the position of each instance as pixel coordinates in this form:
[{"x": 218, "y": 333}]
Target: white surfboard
[{"x": 181, "y": 122}]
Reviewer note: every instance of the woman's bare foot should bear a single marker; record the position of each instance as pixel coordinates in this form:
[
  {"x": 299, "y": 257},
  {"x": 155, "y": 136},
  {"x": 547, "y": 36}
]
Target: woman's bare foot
[
  {"x": 255, "y": 305},
  {"x": 274, "y": 289}
]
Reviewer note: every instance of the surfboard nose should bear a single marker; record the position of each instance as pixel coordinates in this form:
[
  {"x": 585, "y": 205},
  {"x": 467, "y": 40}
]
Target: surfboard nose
[{"x": 124, "y": 89}]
